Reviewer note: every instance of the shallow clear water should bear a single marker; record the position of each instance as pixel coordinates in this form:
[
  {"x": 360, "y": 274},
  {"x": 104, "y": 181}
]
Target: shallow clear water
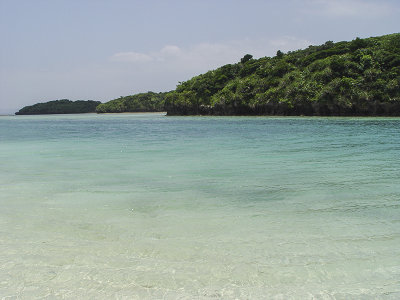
[{"x": 144, "y": 206}]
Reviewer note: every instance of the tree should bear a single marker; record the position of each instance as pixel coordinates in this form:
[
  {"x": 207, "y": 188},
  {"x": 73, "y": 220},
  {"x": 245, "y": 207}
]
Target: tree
[{"x": 246, "y": 58}]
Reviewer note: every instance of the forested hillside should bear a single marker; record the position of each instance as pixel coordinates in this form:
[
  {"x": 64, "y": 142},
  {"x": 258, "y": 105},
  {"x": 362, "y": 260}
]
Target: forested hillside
[
  {"x": 63, "y": 106},
  {"x": 144, "y": 102},
  {"x": 361, "y": 77}
]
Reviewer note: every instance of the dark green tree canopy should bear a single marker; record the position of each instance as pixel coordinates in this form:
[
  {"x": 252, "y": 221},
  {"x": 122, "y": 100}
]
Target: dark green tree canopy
[
  {"x": 279, "y": 54},
  {"x": 360, "y": 77},
  {"x": 246, "y": 58},
  {"x": 63, "y": 106}
]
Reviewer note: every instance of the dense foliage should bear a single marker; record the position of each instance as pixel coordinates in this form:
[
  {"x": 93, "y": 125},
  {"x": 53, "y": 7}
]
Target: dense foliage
[
  {"x": 63, "y": 106},
  {"x": 361, "y": 77},
  {"x": 144, "y": 102}
]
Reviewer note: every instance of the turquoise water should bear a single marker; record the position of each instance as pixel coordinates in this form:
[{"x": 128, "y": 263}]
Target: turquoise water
[{"x": 144, "y": 206}]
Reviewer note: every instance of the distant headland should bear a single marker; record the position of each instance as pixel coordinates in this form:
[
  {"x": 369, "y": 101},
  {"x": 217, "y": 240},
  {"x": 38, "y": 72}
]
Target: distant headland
[
  {"x": 63, "y": 106},
  {"x": 356, "y": 78}
]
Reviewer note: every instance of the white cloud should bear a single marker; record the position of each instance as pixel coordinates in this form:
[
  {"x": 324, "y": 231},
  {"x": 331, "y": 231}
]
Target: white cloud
[
  {"x": 167, "y": 52},
  {"x": 349, "y": 8},
  {"x": 170, "y": 50},
  {"x": 131, "y": 57},
  {"x": 204, "y": 56}
]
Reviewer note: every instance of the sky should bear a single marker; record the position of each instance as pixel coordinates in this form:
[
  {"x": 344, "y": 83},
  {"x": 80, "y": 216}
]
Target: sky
[{"x": 104, "y": 49}]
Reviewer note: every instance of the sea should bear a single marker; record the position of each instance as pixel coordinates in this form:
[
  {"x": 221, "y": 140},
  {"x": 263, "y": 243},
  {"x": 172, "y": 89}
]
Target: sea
[{"x": 148, "y": 206}]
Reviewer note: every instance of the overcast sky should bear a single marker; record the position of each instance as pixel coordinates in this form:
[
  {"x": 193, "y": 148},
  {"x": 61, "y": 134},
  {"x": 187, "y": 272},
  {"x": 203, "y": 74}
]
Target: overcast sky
[{"x": 103, "y": 49}]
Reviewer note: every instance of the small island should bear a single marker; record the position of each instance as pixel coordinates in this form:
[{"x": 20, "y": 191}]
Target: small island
[{"x": 63, "y": 106}]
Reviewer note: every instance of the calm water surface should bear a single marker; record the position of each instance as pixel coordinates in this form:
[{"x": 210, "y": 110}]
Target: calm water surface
[{"x": 143, "y": 206}]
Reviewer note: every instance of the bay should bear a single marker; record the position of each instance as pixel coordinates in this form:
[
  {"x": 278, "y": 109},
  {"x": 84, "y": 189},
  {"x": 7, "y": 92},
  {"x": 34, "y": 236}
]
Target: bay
[{"x": 144, "y": 206}]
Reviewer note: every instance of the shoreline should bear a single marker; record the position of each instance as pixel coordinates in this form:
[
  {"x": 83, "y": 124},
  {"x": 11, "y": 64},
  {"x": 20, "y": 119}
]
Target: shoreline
[
  {"x": 134, "y": 112},
  {"x": 219, "y": 116},
  {"x": 91, "y": 113}
]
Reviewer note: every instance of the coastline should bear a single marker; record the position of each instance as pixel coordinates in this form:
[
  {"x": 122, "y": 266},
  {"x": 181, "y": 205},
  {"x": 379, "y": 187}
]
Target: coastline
[
  {"x": 223, "y": 116},
  {"x": 135, "y": 113},
  {"x": 91, "y": 113}
]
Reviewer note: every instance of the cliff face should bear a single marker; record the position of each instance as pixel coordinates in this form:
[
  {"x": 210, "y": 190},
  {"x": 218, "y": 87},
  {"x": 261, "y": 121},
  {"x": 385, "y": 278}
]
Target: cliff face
[
  {"x": 361, "y": 77},
  {"x": 374, "y": 108},
  {"x": 63, "y": 106},
  {"x": 367, "y": 108}
]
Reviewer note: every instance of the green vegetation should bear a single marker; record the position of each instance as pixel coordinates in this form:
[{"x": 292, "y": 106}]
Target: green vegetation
[
  {"x": 63, "y": 106},
  {"x": 144, "y": 102},
  {"x": 361, "y": 77}
]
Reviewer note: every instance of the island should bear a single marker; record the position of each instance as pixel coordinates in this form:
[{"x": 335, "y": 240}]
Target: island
[
  {"x": 356, "y": 78},
  {"x": 63, "y": 106}
]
